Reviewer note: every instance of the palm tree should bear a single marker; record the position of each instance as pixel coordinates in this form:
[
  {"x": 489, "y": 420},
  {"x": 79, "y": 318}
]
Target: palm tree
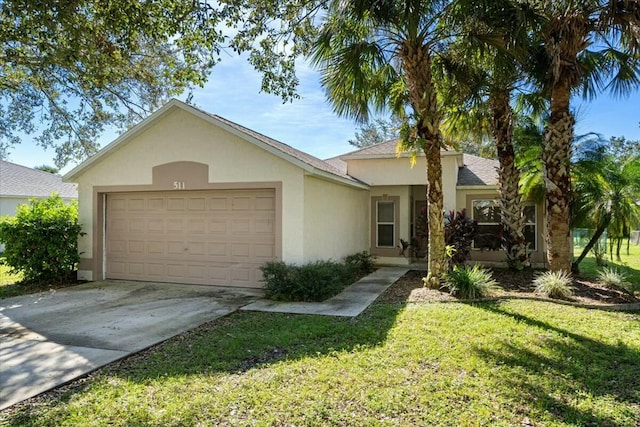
[
  {"x": 490, "y": 115},
  {"x": 588, "y": 44},
  {"x": 379, "y": 55},
  {"x": 607, "y": 189},
  {"x": 486, "y": 70}
]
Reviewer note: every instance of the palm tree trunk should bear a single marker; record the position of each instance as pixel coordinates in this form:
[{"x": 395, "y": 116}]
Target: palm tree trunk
[
  {"x": 555, "y": 158},
  {"x": 511, "y": 209},
  {"x": 435, "y": 208},
  {"x": 575, "y": 266},
  {"x": 422, "y": 96}
]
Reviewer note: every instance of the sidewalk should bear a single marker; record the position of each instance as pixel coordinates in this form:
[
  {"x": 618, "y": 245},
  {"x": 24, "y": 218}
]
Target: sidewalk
[{"x": 349, "y": 303}]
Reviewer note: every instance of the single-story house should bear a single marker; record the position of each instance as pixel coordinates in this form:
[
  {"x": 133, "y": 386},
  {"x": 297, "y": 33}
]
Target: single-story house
[
  {"x": 19, "y": 183},
  {"x": 190, "y": 197}
]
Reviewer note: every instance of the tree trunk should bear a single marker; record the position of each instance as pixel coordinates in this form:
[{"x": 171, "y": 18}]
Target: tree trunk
[
  {"x": 511, "y": 209},
  {"x": 575, "y": 266},
  {"x": 556, "y": 157},
  {"x": 416, "y": 63},
  {"x": 435, "y": 208}
]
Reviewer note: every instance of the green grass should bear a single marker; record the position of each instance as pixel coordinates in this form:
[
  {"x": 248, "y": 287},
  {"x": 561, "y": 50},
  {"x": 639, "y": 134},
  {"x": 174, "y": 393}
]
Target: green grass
[
  {"x": 500, "y": 364},
  {"x": 629, "y": 264},
  {"x": 12, "y": 285},
  {"x": 9, "y": 282}
]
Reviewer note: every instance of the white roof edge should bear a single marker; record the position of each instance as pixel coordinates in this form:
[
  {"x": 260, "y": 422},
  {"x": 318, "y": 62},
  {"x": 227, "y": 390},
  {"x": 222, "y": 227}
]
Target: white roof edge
[
  {"x": 477, "y": 187},
  {"x": 393, "y": 156},
  {"x": 175, "y": 103},
  {"x": 331, "y": 177}
]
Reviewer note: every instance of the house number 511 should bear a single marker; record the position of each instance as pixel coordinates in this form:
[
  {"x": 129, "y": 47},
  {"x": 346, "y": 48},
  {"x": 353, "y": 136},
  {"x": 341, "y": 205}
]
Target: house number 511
[{"x": 178, "y": 185}]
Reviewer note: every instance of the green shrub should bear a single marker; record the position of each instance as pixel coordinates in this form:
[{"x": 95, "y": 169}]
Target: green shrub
[
  {"x": 554, "y": 284},
  {"x": 361, "y": 263},
  {"x": 41, "y": 240},
  {"x": 470, "y": 282},
  {"x": 614, "y": 279},
  {"x": 311, "y": 282},
  {"x": 316, "y": 281}
]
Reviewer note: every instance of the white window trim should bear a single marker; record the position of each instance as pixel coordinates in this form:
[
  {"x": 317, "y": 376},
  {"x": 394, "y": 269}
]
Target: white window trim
[{"x": 392, "y": 223}]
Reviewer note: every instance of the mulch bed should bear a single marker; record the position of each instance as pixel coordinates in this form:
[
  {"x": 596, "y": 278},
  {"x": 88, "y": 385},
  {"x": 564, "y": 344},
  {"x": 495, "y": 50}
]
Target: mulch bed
[{"x": 514, "y": 283}]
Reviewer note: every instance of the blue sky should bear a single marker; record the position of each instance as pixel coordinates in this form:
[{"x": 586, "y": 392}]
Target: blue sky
[{"x": 233, "y": 92}]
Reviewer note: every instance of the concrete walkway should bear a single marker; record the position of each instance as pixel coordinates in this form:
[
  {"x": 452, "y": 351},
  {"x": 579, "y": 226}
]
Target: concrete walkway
[
  {"x": 50, "y": 338},
  {"x": 350, "y": 302}
]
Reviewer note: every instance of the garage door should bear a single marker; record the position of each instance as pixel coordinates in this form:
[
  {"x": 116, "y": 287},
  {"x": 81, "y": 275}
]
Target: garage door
[{"x": 218, "y": 237}]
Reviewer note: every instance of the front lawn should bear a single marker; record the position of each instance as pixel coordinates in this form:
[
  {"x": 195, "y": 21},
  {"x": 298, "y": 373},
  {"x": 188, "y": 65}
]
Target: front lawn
[
  {"x": 511, "y": 363},
  {"x": 9, "y": 282},
  {"x": 629, "y": 264}
]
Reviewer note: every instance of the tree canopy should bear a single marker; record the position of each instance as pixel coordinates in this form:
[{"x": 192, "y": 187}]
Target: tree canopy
[
  {"x": 69, "y": 69},
  {"x": 375, "y": 132}
]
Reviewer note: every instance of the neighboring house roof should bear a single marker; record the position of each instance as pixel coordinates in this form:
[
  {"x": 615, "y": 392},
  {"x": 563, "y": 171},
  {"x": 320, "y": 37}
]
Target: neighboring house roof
[
  {"x": 306, "y": 161},
  {"x": 476, "y": 170},
  {"x": 21, "y": 181}
]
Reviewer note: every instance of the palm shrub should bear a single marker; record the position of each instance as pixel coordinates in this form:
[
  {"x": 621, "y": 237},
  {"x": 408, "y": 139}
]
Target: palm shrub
[
  {"x": 470, "y": 282},
  {"x": 459, "y": 232},
  {"x": 554, "y": 284},
  {"x": 612, "y": 278},
  {"x": 41, "y": 240}
]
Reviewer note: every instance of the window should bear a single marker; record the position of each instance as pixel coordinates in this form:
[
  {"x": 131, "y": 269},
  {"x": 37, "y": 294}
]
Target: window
[
  {"x": 489, "y": 232},
  {"x": 530, "y": 228},
  {"x": 385, "y": 224}
]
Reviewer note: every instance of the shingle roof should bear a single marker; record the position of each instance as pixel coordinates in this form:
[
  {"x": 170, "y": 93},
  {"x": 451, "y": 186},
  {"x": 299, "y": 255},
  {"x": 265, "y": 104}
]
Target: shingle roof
[
  {"x": 478, "y": 171},
  {"x": 383, "y": 148},
  {"x": 22, "y": 181},
  {"x": 338, "y": 164},
  {"x": 306, "y": 161}
]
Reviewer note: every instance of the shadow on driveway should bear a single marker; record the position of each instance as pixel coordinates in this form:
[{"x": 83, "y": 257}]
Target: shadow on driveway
[{"x": 50, "y": 338}]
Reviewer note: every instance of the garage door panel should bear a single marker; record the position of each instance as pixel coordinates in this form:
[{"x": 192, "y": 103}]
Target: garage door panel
[
  {"x": 136, "y": 204},
  {"x": 136, "y": 247},
  {"x": 241, "y": 204},
  {"x": 241, "y": 226},
  {"x": 197, "y": 203},
  {"x": 203, "y": 237},
  {"x": 155, "y": 203}
]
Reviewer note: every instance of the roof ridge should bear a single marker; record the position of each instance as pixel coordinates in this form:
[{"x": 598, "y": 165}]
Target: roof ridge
[
  {"x": 28, "y": 168},
  {"x": 368, "y": 147}
]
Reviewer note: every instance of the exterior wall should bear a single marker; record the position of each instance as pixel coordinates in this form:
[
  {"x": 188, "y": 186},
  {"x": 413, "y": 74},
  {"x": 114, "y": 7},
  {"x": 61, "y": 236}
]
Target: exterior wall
[
  {"x": 398, "y": 172},
  {"x": 336, "y": 220},
  {"x": 8, "y": 205},
  {"x": 181, "y": 136},
  {"x": 538, "y": 257}
]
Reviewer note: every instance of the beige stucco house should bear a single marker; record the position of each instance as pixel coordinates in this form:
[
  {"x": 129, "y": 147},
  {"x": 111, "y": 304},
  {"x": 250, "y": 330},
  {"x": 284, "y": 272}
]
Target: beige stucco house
[{"x": 190, "y": 197}]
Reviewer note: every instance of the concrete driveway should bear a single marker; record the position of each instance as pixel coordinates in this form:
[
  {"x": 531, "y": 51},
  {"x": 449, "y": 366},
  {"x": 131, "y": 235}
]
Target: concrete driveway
[{"x": 50, "y": 338}]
